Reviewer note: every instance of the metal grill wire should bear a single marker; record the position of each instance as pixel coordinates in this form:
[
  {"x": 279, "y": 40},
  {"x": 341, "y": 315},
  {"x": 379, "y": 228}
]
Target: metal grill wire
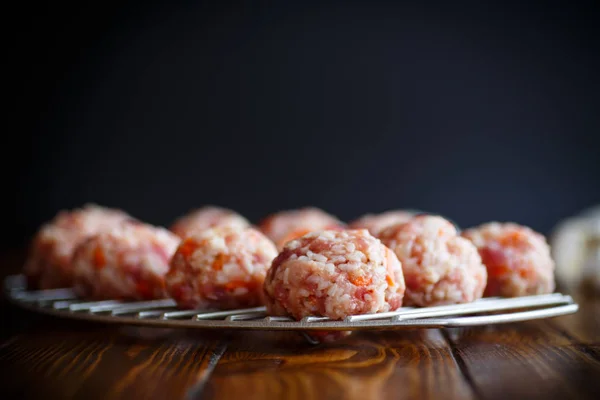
[{"x": 164, "y": 313}]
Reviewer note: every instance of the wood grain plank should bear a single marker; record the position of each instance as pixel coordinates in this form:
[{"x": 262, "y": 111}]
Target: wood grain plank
[
  {"x": 370, "y": 365},
  {"x": 525, "y": 361},
  {"x": 583, "y": 326},
  {"x": 48, "y": 358},
  {"x": 98, "y": 362},
  {"x": 12, "y": 318}
]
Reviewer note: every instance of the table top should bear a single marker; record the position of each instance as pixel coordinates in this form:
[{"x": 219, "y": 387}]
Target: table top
[{"x": 46, "y": 357}]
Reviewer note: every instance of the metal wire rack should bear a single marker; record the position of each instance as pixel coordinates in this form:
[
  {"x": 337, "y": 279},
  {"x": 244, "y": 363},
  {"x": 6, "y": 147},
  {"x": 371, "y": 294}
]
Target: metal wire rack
[{"x": 164, "y": 313}]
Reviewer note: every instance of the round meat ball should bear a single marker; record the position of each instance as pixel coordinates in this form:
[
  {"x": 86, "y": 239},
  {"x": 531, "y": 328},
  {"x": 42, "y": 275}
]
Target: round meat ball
[
  {"x": 334, "y": 274},
  {"x": 128, "y": 262},
  {"x": 439, "y": 266},
  {"x": 285, "y": 226},
  {"x": 48, "y": 265},
  {"x": 222, "y": 267},
  {"x": 375, "y": 223},
  {"x": 207, "y": 217},
  {"x": 518, "y": 259}
]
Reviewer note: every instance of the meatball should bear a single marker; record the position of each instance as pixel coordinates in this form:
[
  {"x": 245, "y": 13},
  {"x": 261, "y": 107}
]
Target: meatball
[
  {"x": 222, "y": 267},
  {"x": 334, "y": 274},
  {"x": 518, "y": 259},
  {"x": 375, "y": 223},
  {"x": 128, "y": 262},
  {"x": 207, "y": 217},
  {"x": 439, "y": 266},
  {"x": 284, "y": 226},
  {"x": 48, "y": 265}
]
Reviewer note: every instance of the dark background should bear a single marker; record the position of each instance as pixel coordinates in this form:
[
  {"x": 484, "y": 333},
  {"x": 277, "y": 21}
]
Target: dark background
[{"x": 474, "y": 111}]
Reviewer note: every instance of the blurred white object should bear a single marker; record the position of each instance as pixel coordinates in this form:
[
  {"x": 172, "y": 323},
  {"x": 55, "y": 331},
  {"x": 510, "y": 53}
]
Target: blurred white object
[
  {"x": 568, "y": 247},
  {"x": 576, "y": 249},
  {"x": 591, "y": 270},
  {"x": 591, "y": 265}
]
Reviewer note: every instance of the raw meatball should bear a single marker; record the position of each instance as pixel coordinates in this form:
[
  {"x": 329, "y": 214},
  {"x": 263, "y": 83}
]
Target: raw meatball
[
  {"x": 222, "y": 267},
  {"x": 334, "y": 274},
  {"x": 128, "y": 262},
  {"x": 284, "y": 226},
  {"x": 439, "y": 266},
  {"x": 205, "y": 218},
  {"x": 48, "y": 265},
  {"x": 375, "y": 223},
  {"x": 518, "y": 259}
]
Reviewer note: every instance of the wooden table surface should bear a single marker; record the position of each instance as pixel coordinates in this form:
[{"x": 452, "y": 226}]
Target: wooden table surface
[{"x": 48, "y": 358}]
